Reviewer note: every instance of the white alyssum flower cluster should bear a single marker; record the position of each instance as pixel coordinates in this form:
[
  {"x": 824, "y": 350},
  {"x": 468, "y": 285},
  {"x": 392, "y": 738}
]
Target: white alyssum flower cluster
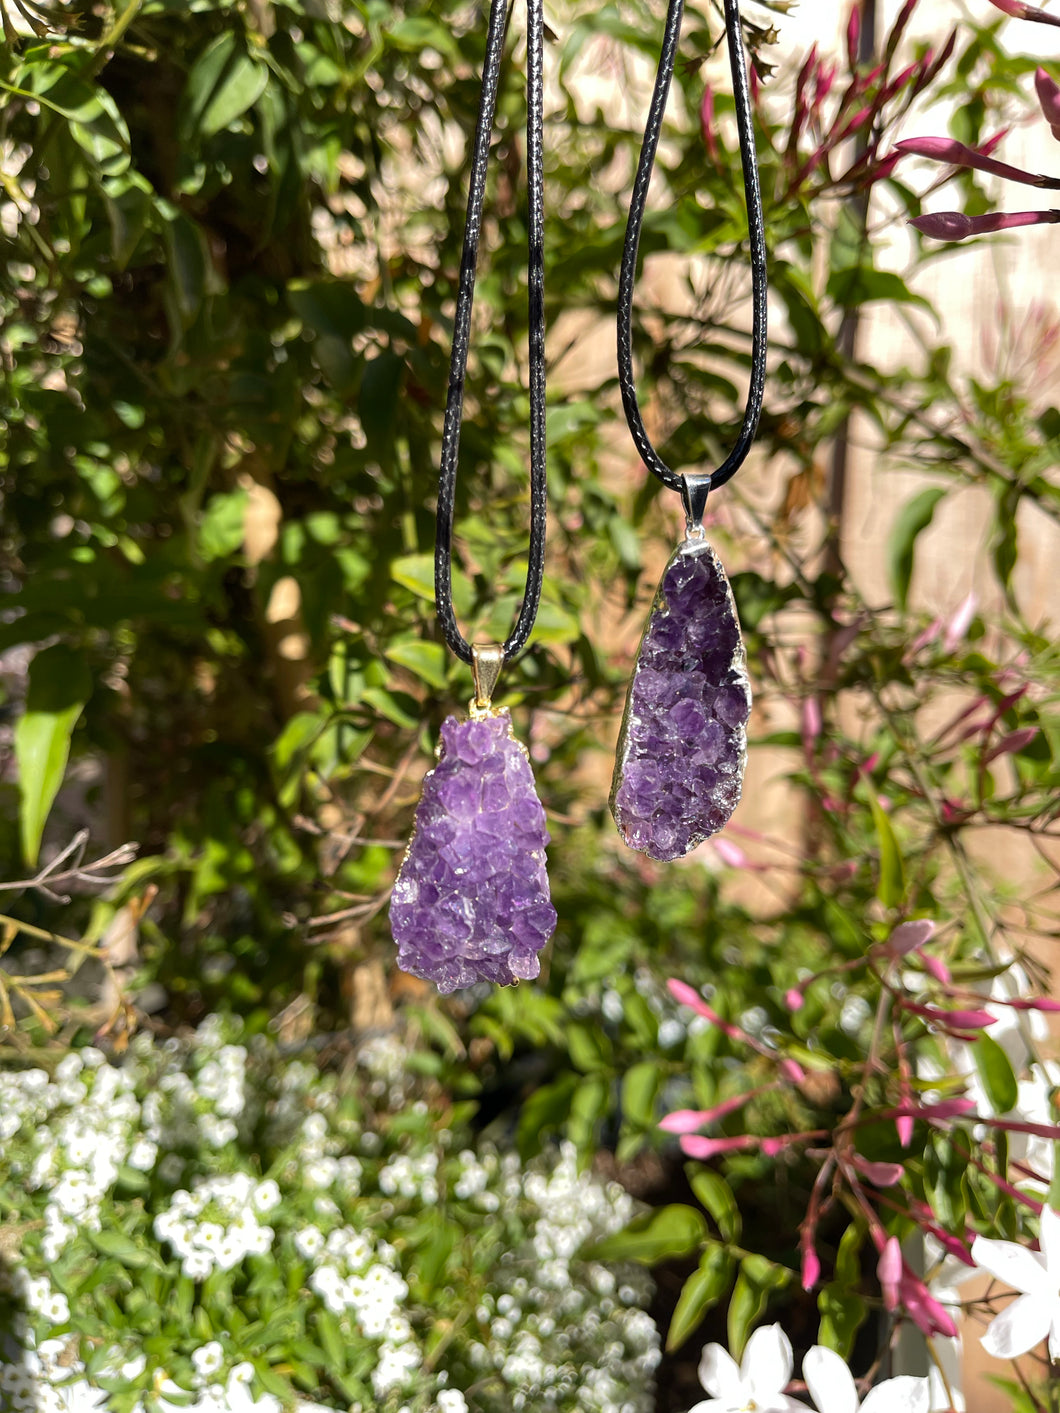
[
  {"x": 302, "y": 1199},
  {"x": 563, "y": 1334},
  {"x": 217, "y": 1224}
]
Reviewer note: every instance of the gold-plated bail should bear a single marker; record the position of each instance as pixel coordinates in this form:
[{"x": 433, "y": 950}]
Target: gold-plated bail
[{"x": 487, "y": 659}]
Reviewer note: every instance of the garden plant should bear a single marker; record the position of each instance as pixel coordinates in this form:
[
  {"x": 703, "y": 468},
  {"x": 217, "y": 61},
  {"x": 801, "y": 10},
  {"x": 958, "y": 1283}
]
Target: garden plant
[{"x": 770, "y": 1117}]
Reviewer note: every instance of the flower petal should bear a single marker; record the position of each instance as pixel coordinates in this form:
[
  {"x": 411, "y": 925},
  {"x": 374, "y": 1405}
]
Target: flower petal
[
  {"x": 905, "y": 1394},
  {"x": 1020, "y": 1327},
  {"x": 767, "y": 1363},
  {"x": 1050, "y": 1244},
  {"x": 830, "y": 1382},
  {"x": 719, "y": 1374},
  {"x": 1014, "y": 1265}
]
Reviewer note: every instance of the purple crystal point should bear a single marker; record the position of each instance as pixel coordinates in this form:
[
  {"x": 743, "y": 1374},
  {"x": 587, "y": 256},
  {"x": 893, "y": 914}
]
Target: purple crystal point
[
  {"x": 471, "y": 902},
  {"x": 681, "y": 753}
]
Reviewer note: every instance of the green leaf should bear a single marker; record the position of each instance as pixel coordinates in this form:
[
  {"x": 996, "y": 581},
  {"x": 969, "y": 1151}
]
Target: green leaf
[
  {"x": 716, "y": 1195},
  {"x": 426, "y": 660},
  {"x": 640, "y": 1084},
  {"x": 123, "y": 1249},
  {"x": 702, "y": 1290},
  {"x": 758, "y": 1278},
  {"x": 891, "y": 887},
  {"x": 588, "y": 1046},
  {"x": 416, "y": 572},
  {"x": 59, "y": 687},
  {"x": 225, "y": 81},
  {"x": 996, "y": 1073},
  {"x": 852, "y": 287},
  {"x": 842, "y": 1312},
  {"x": 914, "y": 517},
  {"x": 675, "y": 1230}
]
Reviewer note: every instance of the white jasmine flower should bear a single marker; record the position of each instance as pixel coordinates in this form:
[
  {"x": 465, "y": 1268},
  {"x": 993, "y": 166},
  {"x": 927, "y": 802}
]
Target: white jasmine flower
[
  {"x": 757, "y": 1383},
  {"x": 142, "y": 1155},
  {"x": 832, "y": 1388},
  {"x": 1036, "y": 1314},
  {"x": 196, "y": 1265}
]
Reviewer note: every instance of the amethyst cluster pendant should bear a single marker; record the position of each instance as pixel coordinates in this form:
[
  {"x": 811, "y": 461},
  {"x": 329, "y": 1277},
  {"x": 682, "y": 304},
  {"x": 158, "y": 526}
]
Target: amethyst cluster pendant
[
  {"x": 471, "y": 902},
  {"x": 683, "y": 746}
]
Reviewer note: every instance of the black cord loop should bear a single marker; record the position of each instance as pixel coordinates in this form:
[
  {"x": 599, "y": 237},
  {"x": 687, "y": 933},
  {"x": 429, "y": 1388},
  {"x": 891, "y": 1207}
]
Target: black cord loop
[
  {"x": 454, "y": 407},
  {"x": 756, "y": 228}
]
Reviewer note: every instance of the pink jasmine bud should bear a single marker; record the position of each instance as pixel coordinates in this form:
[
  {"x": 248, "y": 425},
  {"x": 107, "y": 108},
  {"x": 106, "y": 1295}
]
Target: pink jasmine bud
[
  {"x": 1023, "y": 11},
  {"x": 793, "y": 999},
  {"x": 811, "y": 1266},
  {"x": 730, "y": 853},
  {"x": 854, "y": 36},
  {"x": 945, "y": 1109},
  {"x": 1036, "y": 1003},
  {"x": 951, "y": 225},
  {"x": 957, "y": 154},
  {"x": 706, "y": 124},
  {"x": 881, "y": 1174},
  {"x": 908, "y": 936},
  {"x": 959, "y": 622},
  {"x": 688, "y": 996},
  {"x": 688, "y": 1120},
  {"x": 792, "y": 1070},
  {"x": 935, "y": 967},
  {"x": 923, "y": 1309},
  {"x": 889, "y": 1272},
  {"x": 952, "y": 1020},
  {"x": 825, "y": 79},
  {"x": 696, "y": 1146},
  {"x": 1049, "y": 98},
  {"x": 811, "y": 723},
  {"x": 1011, "y": 744},
  {"x": 904, "y": 1126}
]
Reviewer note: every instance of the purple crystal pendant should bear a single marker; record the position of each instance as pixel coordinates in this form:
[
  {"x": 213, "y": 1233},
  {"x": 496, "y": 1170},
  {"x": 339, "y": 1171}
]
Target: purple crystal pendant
[
  {"x": 471, "y": 902},
  {"x": 683, "y": 745}
]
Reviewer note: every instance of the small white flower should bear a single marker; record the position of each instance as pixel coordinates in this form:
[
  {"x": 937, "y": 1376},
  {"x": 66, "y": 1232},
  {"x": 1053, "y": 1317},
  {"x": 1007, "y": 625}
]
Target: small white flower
[
  {"x": 308, "y": 1242},
  {"x": 196, "y": 1265},
  {"x": 758, "y": 1382},
  {"x": 451, "y": 1400},
  {"x": 1036, "y": 1314},
  {"x": 56, "y": 1309},
  {"x": 832, "y": 1388},
  {"x": 208, "y": 1359},
  {"x": 266, "y": 1196}
]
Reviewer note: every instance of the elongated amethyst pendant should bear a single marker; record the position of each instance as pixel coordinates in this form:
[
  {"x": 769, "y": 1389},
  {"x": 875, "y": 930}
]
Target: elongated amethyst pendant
[
  {"x": 471, "y": 902},
  {"x": 683, "y": 745}
]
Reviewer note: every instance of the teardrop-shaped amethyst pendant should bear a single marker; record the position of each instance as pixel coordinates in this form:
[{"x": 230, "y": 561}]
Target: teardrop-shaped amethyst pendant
[
  {"x": 471, "y": 902},
  {"x": 683, "y": 744}
]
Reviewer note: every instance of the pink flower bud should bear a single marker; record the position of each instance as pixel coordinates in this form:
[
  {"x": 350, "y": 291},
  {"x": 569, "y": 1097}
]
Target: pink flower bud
[
  {"x": 730, "y": 853},
  {"x": 908, "y": 936},
  {"x": 792, "y": 1070},
  {"x": 1023, "y": 11},
  {"x": 1011, "y": 744},
  {"x": 707, "y": 125},
  {"x": 957, "y": 154},
  {"x": 881, "y": 1174},
  {"x": 952, "y": 1020},
  {"x": 923, "y": 1309},
  {"x": 811, "y": 1266},
  {"x": 696, "y": 1146},
  {"x": 793, "y": 999},
  {"x": 959, "y": 623},
  {"x": 1036, "y": 1003},
  {"x": 1049, "y": 98},
  {"x": 854, "y": 35},
  {"x": 889, "y": 1272},
  {"x": 904, "y": 1127},
  {"x": 935, "y": 967},
  {"x": 688, "y": 1120}
]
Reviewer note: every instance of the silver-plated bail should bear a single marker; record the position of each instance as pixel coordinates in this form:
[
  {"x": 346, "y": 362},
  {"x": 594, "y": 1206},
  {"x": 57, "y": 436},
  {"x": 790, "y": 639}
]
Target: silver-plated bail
[
  {"x": 694, "y": 491},
  {"x": 487, "y": 659}
]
